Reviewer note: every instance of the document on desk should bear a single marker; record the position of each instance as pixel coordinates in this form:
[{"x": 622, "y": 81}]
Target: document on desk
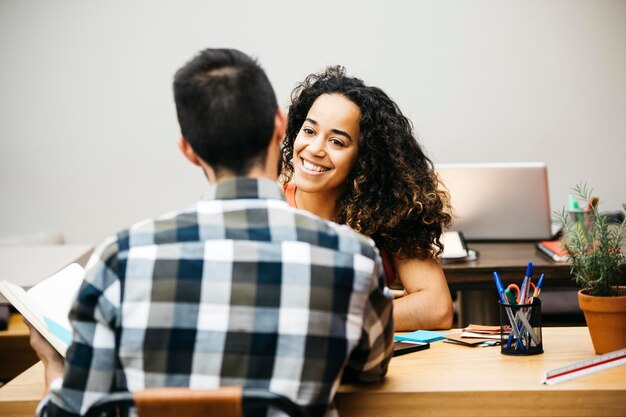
[
  {"x": 46, "y": 305},
  {"x": 455, "y": 248}
]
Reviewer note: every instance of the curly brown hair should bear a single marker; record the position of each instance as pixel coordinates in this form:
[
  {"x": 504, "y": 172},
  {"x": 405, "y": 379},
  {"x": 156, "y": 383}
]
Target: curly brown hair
[{"x": 395, "y": 196}]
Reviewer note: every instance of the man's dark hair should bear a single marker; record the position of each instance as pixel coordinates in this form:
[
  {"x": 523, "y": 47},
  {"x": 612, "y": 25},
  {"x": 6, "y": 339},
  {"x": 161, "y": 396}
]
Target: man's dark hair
[{"x": 226, "y": 108}]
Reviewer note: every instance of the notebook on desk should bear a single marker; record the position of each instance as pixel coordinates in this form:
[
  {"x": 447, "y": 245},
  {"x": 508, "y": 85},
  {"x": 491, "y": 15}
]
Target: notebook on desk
[{"x": 499, "y": 201}]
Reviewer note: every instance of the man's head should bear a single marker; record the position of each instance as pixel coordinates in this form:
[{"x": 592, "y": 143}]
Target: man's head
[{"x": 227, "y": 111}]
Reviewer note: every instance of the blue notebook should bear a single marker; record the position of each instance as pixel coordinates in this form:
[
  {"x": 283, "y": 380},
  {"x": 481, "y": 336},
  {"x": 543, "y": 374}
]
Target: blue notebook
[{"x": 425, "y": 336}]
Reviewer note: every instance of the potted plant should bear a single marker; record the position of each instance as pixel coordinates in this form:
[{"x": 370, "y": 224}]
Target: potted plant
[{"x": 598, "y": 265}]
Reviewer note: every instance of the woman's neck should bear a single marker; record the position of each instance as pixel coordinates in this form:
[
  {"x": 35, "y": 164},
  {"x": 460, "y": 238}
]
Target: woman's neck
[{"x": 320, "y": 204}]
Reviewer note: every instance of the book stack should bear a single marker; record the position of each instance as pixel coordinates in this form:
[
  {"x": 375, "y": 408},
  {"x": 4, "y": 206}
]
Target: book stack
[{"x": 553, "y": 249}]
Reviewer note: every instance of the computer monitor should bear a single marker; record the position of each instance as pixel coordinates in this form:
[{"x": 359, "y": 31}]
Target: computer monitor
[{"x": 499, "y": 201}]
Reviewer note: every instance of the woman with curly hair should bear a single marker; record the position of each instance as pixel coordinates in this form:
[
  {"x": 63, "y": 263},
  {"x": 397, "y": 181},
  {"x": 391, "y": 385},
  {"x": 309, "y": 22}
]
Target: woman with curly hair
[{"x": 350, "y": 156}]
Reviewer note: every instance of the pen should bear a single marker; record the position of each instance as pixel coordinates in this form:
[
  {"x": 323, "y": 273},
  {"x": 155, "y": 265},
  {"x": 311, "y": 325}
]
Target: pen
[
  {"x": 593, "y": 203},
  {"x": 499, "y": 287},
  {"x": 524, "y": 323},
  {"x": 508, "y": 294},
  {"x": 526, "y": 284},
  {"x": 522, "y": 291},
  {"x": 503, "y": 299},
  {"x": 531, "y": 311},
  {"x": 530, "y": 268},
  {"x": 538, "y": 287}
]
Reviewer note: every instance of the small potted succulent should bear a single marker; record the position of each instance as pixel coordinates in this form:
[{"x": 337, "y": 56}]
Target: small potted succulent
[{"x": 598, "y": 265}]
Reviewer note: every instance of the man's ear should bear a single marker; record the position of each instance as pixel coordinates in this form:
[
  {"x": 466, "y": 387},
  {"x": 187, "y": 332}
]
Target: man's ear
[
  {"x": 280, "y": 125},
  {"x": 188, "y": 151}
]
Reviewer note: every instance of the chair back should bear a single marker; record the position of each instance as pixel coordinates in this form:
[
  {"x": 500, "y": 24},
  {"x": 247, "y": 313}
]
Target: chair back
[{"x": 187, "y": 402}]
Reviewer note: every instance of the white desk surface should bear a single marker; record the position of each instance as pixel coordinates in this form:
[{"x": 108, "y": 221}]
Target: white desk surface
[{"x": 29, "y": 265}]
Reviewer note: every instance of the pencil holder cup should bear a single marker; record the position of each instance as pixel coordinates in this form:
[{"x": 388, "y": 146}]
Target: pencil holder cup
[
  {"x": 582, "y": 217},
  {"x": 520, "y": 328}
]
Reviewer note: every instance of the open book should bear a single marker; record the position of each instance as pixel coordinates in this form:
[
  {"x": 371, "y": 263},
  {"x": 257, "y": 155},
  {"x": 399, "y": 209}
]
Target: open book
[{"x": 46, "y": 305}]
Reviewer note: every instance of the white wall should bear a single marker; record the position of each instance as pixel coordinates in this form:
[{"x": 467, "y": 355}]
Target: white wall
[{"x": 88, "y": 127}]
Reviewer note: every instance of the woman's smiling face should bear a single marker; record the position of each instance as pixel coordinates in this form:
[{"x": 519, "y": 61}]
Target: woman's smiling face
[{"x": 326, "y": 146}]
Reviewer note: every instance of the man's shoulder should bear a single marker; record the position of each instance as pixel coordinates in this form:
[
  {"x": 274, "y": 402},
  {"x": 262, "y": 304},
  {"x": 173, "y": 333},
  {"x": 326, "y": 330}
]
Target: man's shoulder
[
  {"x": 332, "y": 235},
  {"x": 216, "y": 220}
]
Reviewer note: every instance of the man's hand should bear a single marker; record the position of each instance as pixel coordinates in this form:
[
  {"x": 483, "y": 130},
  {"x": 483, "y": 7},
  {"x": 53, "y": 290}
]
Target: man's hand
[{"x": 52, "y": 360}]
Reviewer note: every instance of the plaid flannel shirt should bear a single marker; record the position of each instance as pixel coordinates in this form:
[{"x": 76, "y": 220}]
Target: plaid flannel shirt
[{"x": 238, "y": 289}]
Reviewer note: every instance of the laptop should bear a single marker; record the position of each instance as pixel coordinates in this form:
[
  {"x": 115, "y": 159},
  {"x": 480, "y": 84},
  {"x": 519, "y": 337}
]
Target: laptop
[{"x": 499, "y": 201}]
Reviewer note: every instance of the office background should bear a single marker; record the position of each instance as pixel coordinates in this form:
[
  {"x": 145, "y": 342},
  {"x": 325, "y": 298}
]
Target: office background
[{"x": 88, "y": 132}]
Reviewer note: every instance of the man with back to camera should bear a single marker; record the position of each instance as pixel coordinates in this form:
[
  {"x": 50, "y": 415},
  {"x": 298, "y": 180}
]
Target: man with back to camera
[{"x": 236, "y": 289}]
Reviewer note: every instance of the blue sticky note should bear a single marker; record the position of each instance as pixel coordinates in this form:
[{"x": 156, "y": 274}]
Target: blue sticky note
[{"x": 420, "y": 336}]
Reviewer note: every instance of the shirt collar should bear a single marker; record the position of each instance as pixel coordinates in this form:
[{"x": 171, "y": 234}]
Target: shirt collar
[{"x": 244, "y": 188}]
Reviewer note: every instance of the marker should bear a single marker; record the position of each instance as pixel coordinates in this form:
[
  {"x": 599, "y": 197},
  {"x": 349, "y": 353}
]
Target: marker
[
  {"x": 575, "y": 208},
  {"x": 510, "y": 296},
  {"x": 573, "y": 203},
  {"x": 591, "y": 206},
  {"x": 592, "y": 203}
]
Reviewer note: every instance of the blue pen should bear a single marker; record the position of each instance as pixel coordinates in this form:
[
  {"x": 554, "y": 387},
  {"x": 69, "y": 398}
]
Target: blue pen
[
  {"x": 535, "y": 293},
  {"x": 499, "y": 286},
  {"x": 509, "y": 314},
  {"x": 523, "y": 293}
]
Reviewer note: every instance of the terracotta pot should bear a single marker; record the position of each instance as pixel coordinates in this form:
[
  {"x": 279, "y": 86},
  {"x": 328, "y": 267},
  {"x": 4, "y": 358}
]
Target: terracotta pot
[{"x": 606, "y": 320}]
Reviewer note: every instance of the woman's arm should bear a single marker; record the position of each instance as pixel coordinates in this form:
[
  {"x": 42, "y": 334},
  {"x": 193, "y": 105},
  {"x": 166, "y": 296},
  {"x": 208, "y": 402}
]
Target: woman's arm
[{"x": 428, "y": 304}]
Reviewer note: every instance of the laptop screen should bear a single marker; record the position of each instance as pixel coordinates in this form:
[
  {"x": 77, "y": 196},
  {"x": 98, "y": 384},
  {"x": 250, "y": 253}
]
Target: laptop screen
[{"x": 499, "y": 201}]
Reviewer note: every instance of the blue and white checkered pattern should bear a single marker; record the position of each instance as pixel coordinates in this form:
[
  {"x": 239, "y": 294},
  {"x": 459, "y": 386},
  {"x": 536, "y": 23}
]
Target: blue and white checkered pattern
[{"x": 238, "y": 289}]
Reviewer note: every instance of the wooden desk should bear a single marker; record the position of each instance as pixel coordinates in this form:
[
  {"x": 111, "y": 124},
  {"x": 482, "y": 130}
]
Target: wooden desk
[
  {"x": 16, "y": 354},
  {"x": 474, "y": 284},
  {"x": 448, "y": 381},
  {"x": 26, "y": 266}
]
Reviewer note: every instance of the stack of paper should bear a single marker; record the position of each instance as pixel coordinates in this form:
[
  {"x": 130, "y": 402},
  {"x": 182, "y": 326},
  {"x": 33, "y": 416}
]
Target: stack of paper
[
  {"x": 478, "y": 331},
  {"x": 478, "y": 335}
]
